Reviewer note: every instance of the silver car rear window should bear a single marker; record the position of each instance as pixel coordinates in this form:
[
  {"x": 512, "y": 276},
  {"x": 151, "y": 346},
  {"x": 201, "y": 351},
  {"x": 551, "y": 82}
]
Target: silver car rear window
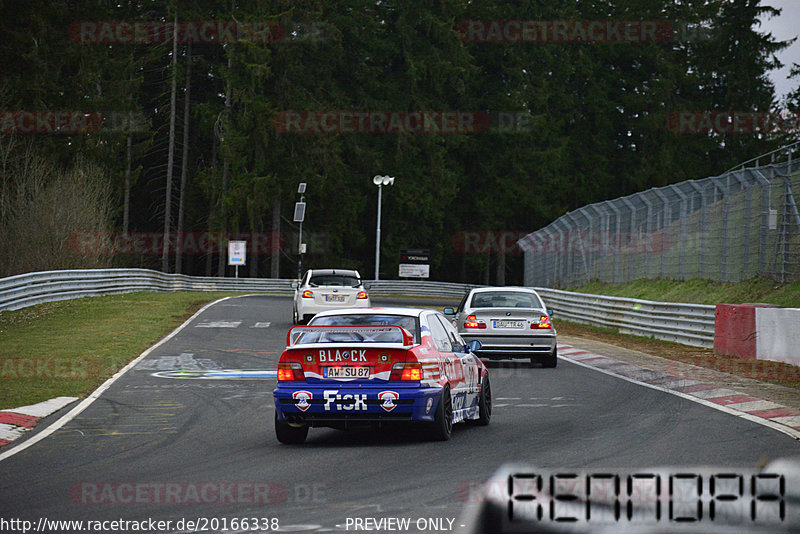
[{"x": 505, "y": 299}]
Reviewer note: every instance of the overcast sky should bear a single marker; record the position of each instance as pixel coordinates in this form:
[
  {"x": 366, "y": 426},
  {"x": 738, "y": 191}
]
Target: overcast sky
[{"x": 784, "y": 27}]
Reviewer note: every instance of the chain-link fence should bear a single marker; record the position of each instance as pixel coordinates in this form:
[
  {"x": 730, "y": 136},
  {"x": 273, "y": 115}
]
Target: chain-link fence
[{"x": 742, "y": 224}]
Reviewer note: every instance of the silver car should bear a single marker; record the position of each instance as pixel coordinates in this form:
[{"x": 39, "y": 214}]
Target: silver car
[
  {"x": 510, "y": 322},
  {"x": 327, "y": 289}
]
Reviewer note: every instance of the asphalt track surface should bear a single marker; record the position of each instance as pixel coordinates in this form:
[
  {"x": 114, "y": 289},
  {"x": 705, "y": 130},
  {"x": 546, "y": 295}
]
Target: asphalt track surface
[{"x": 156, "y": 427}]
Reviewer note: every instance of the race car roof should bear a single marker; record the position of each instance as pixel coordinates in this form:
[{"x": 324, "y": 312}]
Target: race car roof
[{"x": 410, "y": 312}]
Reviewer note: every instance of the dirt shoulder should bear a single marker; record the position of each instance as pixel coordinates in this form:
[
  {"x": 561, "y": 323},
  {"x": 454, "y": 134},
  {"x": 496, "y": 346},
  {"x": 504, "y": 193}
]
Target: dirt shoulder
[{"x": 773, "y": 381}]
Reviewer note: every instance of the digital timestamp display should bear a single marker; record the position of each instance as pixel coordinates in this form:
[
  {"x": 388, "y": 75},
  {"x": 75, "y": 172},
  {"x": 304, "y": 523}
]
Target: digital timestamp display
[{"x": 645, "y": 498}]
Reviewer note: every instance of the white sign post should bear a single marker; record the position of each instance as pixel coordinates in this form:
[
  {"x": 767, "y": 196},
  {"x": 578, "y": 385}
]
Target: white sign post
[{"x": 237, "y": 253}]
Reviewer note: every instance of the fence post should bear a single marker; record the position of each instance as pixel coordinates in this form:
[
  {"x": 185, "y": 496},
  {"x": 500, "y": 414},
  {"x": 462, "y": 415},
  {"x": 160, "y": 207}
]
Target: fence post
[
  {"x": 631, "y": 237},
  {"x": 684, "y": 214},
  {"x": 660, "y": 194}
]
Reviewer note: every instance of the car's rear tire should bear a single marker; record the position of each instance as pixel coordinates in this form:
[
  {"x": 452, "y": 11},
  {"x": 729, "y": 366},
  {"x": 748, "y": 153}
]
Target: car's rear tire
[
  {"x": 551, "y": 360},
  {"x": 485, "y": 403},
  {"x": 295, "y": 320},
  {"x": 290, "y": 434},
  {"x": 442, "y": 426}
]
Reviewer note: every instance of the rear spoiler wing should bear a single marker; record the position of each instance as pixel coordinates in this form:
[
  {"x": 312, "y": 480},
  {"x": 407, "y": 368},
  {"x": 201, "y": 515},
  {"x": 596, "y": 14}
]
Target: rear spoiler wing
[{"x": 368, "y": 333}]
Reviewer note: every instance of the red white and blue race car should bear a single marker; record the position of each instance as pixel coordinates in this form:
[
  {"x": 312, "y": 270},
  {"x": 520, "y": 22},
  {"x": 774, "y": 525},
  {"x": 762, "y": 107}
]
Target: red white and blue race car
[{"x": 379, "y": 365}]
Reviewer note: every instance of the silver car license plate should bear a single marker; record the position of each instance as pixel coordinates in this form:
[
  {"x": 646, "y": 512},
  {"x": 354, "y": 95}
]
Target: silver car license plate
[{"x": 506, "y": 323}]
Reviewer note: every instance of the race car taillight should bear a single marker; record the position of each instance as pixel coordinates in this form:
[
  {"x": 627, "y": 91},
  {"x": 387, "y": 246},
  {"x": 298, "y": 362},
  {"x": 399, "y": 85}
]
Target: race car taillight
[
  {"x": 290, "y": 371},
  {"x": 361, "y": 295},
  {"x": 307, "y": 294},
  {"x": 473, "y": 322},
  {"x": 406, "y": 371},
  {"x": 544, "y": 323}
]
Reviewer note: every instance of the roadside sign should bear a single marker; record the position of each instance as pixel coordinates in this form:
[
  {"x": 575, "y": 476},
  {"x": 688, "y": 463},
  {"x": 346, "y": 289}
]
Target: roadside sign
[
  {"x": 415, "y": 256},
  {"x": 299, "y": 212},
  {"x": 407, "y": 270},
  {"x": 415, "y": 263},
  {"x": 237, "y": 252}
]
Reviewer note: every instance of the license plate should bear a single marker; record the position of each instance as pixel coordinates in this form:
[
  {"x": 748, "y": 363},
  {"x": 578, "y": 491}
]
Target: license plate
[
  {"x": 505, "y": 323},
  {"x": 345, "y": 372},
  {"x": 334, "y": 298}
]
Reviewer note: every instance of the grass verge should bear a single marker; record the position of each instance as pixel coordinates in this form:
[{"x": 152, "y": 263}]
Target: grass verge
[
  {"x": 68, "y": 348},
  {"x": 700, "y": 291}
]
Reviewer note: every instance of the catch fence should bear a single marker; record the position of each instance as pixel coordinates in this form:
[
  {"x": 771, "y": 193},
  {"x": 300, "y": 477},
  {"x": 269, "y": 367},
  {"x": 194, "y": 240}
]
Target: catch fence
[{"x": 729, "y": 228}]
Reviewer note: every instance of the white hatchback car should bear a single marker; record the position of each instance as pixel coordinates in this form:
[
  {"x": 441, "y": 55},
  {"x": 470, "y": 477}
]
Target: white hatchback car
[{"x": 327, "y": 289}]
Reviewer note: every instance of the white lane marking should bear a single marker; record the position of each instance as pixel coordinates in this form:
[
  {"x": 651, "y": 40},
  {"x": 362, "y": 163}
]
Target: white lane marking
[
  {"x": 219, "y": 324},
  {"x": 753, "y": 418},
  {"x": 43, "y": 409},
  {"x": 499, "y": 405},
  {"x": 261, "y": 325},
  {"x": 85, "y": 403},
  {"x": 508, "y": 398}
]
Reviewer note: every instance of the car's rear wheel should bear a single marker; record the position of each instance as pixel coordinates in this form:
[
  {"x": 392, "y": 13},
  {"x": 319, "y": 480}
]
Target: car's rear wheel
[
  {"x": 290, "y": 434},
  {"x": 551, "y": 360},
  {"x": 442, "y": 426},
  {"x": 295, "y": 319},
  {"x": 485, "y": 402}
]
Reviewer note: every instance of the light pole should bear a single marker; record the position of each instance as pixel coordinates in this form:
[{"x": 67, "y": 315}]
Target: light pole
[
  {"x": 299, "y": 216},
  {"x": 380, "y": 181}
]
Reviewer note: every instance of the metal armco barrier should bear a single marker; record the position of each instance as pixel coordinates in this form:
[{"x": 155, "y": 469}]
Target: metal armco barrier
[
  {"x": 689, "y": 324},
  {"x": 34, "y": 288}
]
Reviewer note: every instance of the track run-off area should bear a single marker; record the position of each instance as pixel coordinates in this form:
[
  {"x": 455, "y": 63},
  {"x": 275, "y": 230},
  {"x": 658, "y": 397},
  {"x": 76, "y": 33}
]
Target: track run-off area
[{"x": 186, "y": 433}]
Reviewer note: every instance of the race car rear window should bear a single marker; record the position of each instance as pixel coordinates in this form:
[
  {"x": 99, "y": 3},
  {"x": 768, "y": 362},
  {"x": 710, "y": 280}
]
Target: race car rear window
[
  {"x": 334, "y": 280},
  {"x": 409, "y": 323}
]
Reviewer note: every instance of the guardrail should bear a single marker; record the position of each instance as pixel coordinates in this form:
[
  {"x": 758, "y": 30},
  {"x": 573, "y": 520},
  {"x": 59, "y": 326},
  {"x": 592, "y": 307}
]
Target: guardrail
[
  {"x": 35, "y": 288},
  {"x": 689, "y": 324}
]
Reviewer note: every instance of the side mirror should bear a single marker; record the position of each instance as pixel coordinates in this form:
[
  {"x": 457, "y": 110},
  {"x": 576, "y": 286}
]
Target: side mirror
[
  {"x": 474, "y": 345},
  {"x": 295, "y": 284},
  {"x": 449, "y": 311},
  {"x": 550, "y": 312}
]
